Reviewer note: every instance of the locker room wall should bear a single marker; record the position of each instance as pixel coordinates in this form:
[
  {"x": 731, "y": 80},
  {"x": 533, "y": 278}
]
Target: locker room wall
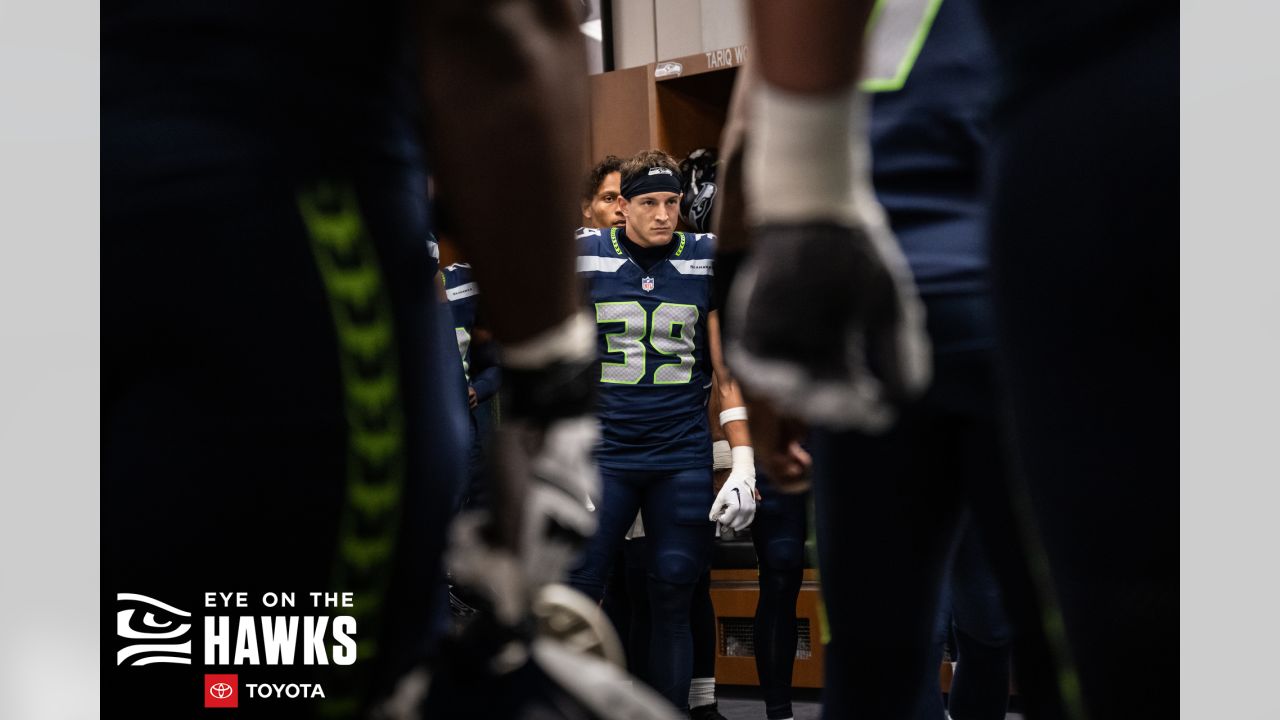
[{"x": 646, "y": 31}]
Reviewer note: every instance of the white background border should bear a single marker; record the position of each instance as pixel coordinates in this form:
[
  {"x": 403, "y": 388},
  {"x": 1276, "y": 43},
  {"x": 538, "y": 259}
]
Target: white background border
[
  {"x": 49, "y": 354},
  {"x": 1230, "y": 340}
]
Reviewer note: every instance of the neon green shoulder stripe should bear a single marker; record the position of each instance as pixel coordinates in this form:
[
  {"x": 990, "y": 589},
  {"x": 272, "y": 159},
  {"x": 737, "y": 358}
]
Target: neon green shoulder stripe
[{"x": 894, "y": 45}]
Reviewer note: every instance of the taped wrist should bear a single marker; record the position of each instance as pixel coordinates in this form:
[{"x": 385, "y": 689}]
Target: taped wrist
[
  {"x": 744, "y": 463},
  {"x": 809, "y": 158},
  {"x": 721, "y": 457}
]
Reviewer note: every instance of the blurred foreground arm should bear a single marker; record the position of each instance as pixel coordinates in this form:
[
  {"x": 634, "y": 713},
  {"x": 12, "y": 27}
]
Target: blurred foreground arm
[
  {"x": 506, "y": 89},
  {"x": 518, "y": 68},
  {"x": 822, "y": 318}
]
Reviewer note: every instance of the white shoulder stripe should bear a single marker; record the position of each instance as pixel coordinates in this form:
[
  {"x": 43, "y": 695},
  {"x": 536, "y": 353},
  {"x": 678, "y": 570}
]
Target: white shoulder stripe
[
  {"x": 595, "y": 263},
  {"x": 693, "y": 267},
  {"x": 464, "y": 290}
]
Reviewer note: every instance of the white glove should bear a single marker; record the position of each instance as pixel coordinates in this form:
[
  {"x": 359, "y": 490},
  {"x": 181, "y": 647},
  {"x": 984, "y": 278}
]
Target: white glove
[{"x": 735, "y": 506}]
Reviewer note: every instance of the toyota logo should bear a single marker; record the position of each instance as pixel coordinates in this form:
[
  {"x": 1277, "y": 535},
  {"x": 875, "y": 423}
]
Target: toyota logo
[{"x": 221, "y": 690}]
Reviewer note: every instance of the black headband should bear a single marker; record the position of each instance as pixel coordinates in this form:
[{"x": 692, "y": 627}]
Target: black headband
[{"x": 656, "y": 179}]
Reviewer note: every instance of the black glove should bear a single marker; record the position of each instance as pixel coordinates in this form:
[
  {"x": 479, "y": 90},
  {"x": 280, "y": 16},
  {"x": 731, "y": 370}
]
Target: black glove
[{"x": 826, "y": 323}]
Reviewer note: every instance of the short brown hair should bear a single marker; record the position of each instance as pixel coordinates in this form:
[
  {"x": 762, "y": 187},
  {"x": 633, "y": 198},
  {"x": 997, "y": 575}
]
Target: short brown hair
[
  {"x": 639, "y": 164},
  {"x": 610, "y": 164}
]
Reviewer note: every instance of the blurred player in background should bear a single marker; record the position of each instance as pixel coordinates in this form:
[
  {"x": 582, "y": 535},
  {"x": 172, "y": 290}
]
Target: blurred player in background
[{"x": 481, "y": 372}]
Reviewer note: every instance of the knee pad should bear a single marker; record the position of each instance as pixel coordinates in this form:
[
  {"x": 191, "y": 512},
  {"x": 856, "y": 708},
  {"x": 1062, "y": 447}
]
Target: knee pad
[
  {"x": 784, "y": 554},
  {"x": 677, "y": 567}
]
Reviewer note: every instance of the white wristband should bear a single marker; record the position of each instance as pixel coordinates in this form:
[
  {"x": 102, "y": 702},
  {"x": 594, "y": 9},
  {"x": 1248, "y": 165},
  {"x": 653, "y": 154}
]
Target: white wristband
[
  {"x": 572, "y": 339},
  {"x": 744, "y": 463},
  {"x": 734, "y": 413}
]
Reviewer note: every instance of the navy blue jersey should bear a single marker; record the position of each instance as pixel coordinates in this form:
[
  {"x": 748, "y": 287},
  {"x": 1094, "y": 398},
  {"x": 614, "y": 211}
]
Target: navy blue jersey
[
  {"x": 932, "y": 73},
  {"x": 655, "y": 361},
  {"x": 461, "y": 290}
]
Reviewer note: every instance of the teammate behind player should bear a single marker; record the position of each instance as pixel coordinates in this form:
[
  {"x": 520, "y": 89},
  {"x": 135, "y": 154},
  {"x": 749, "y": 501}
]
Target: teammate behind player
[
  {"x": 659, "y": 348},
  {"x": 481, "y": 372},
  {"x": 601, "y": 195}
]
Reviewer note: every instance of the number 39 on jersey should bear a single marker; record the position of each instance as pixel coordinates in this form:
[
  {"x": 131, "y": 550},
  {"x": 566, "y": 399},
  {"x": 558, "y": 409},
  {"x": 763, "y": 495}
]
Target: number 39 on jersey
[{"x": 655, "y": 368}]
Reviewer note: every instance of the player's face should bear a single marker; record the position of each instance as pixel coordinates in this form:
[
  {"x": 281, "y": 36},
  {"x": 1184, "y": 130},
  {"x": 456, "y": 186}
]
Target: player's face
[
  {"x": 651, "y": 218},
  {"x": 603, "y": 211}
]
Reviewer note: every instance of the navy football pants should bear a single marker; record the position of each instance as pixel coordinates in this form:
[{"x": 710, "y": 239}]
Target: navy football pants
[
  {"x": 972, "y": 610},
  {"x": 679, "y": 538},
  {"x": 888, "y": 509},
  {"x": 779, "y": 534}
]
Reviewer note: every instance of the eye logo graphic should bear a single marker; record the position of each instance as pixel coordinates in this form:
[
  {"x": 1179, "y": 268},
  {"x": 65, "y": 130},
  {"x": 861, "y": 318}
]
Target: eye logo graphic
[
  {"x": 221, "y": 691},
  {"x": 157, "y": 635}
]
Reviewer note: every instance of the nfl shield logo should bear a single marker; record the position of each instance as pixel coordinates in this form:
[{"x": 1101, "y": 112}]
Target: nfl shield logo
[{"x": 646, "y": 284}]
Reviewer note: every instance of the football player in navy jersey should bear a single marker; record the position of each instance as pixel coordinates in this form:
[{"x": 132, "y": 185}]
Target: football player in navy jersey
[
  {"x": 650, "y": 290},
  {"x": 626, "y": 597},
  {"x": 480, "y": 369},
  {"x": 1080, "y": 197}
]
